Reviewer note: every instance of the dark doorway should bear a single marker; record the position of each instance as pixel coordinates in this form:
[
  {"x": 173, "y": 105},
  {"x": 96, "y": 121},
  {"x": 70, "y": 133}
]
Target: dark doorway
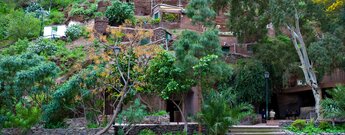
[{"x": 173, "y": 111}]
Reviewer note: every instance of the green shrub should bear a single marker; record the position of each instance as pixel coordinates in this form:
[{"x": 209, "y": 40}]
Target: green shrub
[
  {"x": 3, "y": 26},
  {"x": 160, "y": 113},
  {"x": 118, "y": 12},
  {"x": 76, "y": 11},
  {"x": 217, "y": 114},
  {"x": 56, "y": 4},
  {"x": 33, "y": 8},
  {"x": 298, "y": 124},
  {"x": 22, "y": 25},
  {"x": 54, "y": 125},
  {"x": 74, "y": 32},
  {"x": 324, "y": 125},
  {"x": 25, "y": 117},
  {"x": 78, "y": 8},
  {"x": 155, "y": 21},
  {"x": 92, "y": 125},
  {"x": 45, "y": 47},
  {"x": 310, "y": 128},
  {"x": 147, "y": 132},
  {"x": 56, "y": 17},
  {"x": 19, "y": 47},
  {"x": 170, "y": 17}
]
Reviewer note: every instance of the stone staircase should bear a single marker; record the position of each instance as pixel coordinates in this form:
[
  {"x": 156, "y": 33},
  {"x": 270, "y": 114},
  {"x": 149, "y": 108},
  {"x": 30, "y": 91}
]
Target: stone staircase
[{"x": 255, "y": 130}]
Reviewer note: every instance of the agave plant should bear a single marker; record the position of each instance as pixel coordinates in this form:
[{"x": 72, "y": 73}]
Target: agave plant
[{"x": 218, "y": 114}]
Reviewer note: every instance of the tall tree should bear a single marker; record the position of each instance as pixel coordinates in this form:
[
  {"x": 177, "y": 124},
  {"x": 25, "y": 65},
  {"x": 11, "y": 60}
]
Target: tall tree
[
  {"x": 168, "y": 81},
  {"x": 287, "y": 13},
  {"x": 200, "y": 11},
  {"x": 193, "y": 49},
  {"x": 249, "y": 81}
]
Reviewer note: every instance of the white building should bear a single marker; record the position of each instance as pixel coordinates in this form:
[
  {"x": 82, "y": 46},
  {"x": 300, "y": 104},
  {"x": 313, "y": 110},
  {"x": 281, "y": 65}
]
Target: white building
[{"x": 55, "y": 31}]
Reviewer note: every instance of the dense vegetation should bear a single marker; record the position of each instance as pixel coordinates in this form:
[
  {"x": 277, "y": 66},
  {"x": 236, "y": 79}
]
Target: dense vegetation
[{"x": 45, "y": 81}]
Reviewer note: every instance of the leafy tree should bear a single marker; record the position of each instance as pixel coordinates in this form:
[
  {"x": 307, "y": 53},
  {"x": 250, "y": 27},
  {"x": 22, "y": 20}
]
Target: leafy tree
[
  {"x": 220, "y": 111},
  {"x": 168, "y": 80},
  {"x": 118, "y": 12},
  {"x": 327, "y": 54},
  {"x": 331, "y": 5},
  {"x": 198, "y": 55},
  {"x": 78, "y": 91},
  {"x": 279, "y": 58},
  {"x": 334, "y": 107},
  {"x": 200, "y": 11},
  {"x": 26, "y": 75},
  {"x": 249, "y": 81},
  {"x": 248, "y": 19},
  {"x": 287, "y": 13},
  {"x": 22, "y": 25}
]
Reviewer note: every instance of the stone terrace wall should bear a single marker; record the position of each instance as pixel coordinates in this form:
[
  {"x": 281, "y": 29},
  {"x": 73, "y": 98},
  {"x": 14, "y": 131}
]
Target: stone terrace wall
[
  {"x": 160, "y": 129},
  {"x": 60, "y": 131}
]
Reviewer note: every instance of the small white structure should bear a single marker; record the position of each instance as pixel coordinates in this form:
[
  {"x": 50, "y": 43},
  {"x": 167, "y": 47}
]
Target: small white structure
[
  {"x": 58, "y": 31},
  {"x": 54, "y": 31}
]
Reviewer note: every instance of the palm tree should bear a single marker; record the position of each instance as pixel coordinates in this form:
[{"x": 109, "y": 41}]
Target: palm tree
[{"x": 219, "y": 112}]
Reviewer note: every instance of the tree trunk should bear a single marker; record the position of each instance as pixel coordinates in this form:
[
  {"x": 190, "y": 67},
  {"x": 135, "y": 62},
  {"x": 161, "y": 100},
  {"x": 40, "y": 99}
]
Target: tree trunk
[
  {"x": 307, "y": 68},
  {"x": 182, "y": 114},
  {"x": 105, "y": 129}
]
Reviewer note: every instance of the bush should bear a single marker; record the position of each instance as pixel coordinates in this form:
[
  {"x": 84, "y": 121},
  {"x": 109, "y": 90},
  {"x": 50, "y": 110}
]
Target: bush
[
  {"x": 118, "y": 12},
  {"x": 298, "y": 124},
  {"x": 160, "y": 113},
  {"x": 3, "y": 26},
  {"x": 25, "y": 117},
  {"x": 45, "y": 47},
  {"x": 324, "y": 125},
  {"x": 170, "y": 17},
  {"x": 217, "y": 114},
  {"x": 155, "y": 21},
  {"x": 22, "y": 25},
  {"x": 147, "y": 132},
  {"x": 79, "y": 9},
  {"x": 33, "y": 7},
  {"x": 56, "y": 17},
  {"x": 56, "y": 4},
  {"x": 19, "y": 47},
  {"x": 74, "y": 32}
]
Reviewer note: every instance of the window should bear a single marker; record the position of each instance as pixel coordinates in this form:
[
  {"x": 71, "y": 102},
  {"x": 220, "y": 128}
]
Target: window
[
  {"x": 250, "y": 49},
  {"x": 156, "y": 15},
  {"x": 226, "y": 49}
]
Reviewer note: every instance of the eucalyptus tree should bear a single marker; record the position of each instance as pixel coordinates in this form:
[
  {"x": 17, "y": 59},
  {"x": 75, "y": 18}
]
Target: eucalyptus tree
[{"x": 287, "y": 13}]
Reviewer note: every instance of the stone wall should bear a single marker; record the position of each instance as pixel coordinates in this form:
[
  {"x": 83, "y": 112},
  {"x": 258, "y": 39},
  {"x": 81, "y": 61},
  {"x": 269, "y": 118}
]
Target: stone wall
[
  {"x": 160, "y": 129},
  {"x": 60, "y": 131}
]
